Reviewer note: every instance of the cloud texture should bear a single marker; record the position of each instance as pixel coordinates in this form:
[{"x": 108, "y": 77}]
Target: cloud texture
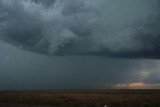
[
  {"x": 126, "y": 28},
  {"x": 21, "y": 69}
]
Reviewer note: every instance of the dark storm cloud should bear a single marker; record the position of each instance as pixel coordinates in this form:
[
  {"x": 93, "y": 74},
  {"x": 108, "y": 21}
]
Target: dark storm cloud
[
  {"x": 25, "y": 70},
  {"x": 45, "y": 2},
  {"x": 126, "y": 28}
]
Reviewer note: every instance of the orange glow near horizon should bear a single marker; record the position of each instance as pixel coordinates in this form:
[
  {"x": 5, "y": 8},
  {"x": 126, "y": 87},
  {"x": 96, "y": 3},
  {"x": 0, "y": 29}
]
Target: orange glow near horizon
[{"x": 136, "y": 84}]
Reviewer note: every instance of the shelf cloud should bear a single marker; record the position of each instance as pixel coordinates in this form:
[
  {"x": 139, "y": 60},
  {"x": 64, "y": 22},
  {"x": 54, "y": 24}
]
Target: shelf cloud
[{"x": 126, "y": 28}]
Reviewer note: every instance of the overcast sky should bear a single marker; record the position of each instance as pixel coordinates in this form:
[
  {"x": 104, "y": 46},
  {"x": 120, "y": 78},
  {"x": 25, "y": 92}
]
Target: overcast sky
[{"x": 74, "y": 44}]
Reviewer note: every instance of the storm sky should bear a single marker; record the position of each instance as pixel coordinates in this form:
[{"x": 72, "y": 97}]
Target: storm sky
[{"x": 75, "y": 44}]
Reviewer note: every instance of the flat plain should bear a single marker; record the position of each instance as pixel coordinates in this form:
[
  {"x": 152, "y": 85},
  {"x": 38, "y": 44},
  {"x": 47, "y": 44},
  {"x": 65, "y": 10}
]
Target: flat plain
[{"x": 81, "y": 98}]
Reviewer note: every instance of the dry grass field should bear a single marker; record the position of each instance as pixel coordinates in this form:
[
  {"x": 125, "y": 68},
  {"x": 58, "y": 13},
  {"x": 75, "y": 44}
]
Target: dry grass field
[{"x": 84, "y": 98}]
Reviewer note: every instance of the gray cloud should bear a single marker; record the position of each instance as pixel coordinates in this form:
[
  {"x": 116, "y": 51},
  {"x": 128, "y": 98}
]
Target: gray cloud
[
  {"x": 127, "y": 28},
  {"x": 21, "y": 69},
  {"x": 45, "y": 2},
  {"x": 24, "y": 70},
  {"x": 84, "y": 31}
]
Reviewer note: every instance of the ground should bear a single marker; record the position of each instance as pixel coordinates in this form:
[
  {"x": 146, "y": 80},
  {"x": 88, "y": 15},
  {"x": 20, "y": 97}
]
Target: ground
[{"x": 83, "y": 98}]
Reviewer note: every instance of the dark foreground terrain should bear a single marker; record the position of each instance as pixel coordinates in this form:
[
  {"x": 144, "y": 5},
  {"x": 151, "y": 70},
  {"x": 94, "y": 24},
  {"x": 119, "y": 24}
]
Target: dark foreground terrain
[{"x": 81, "y": 98}]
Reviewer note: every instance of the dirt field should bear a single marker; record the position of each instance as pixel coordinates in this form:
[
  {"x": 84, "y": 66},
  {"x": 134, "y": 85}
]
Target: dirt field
[
  {"x": 21, "y": 105},
  {"x": 82, "y": 98}
]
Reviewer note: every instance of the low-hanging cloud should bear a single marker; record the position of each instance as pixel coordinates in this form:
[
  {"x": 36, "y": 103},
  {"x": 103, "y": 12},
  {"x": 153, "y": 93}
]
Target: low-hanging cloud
[{"x": 126, "y": 28}]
